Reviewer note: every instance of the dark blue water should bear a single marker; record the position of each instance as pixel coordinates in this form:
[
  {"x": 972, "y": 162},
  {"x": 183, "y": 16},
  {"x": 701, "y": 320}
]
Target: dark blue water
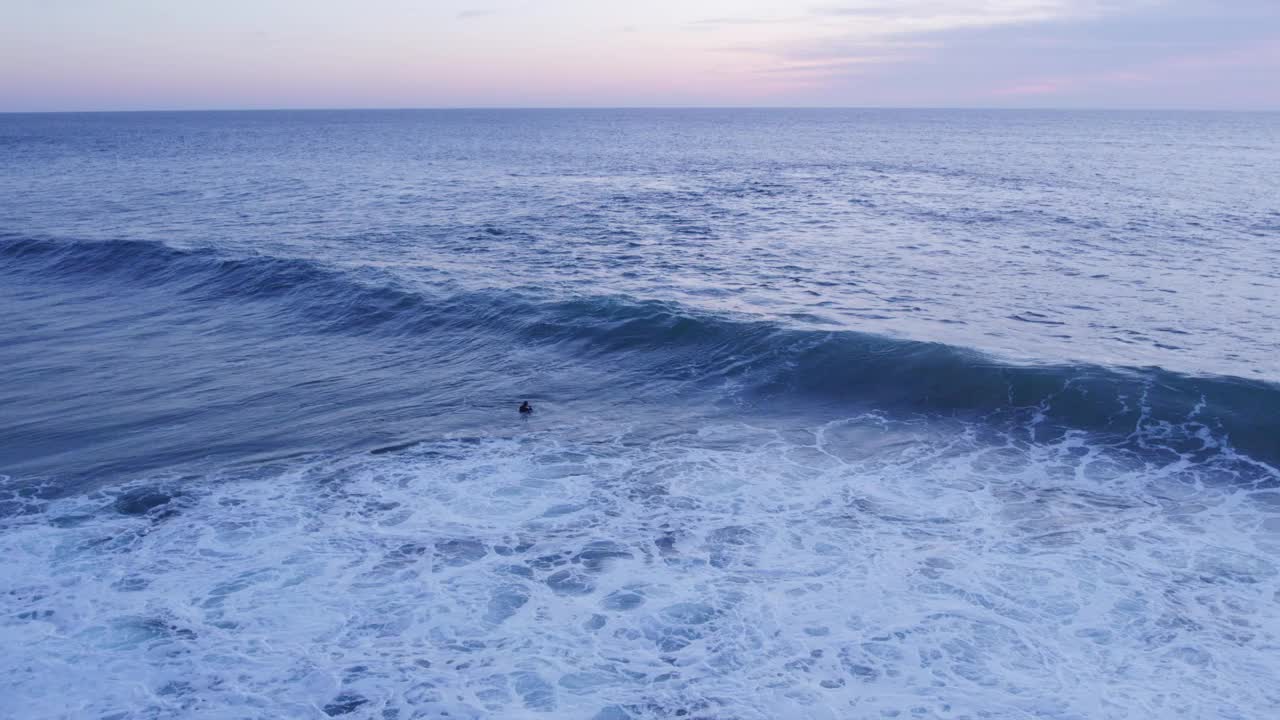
[{"x": 838, "y": 414}]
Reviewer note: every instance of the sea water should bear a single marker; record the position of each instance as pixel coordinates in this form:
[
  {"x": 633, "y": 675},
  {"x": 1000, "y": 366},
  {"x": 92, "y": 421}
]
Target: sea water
[{"x": 838, "y": 414}]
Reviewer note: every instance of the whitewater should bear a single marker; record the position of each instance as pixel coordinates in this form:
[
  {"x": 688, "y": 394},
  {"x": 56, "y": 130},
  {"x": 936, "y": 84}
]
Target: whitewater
[{"x": 839, "y": 414}]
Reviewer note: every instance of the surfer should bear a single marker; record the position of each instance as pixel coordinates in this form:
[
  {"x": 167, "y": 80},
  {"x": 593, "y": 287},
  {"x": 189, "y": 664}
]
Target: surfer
[{"x": 525, "y": 408}]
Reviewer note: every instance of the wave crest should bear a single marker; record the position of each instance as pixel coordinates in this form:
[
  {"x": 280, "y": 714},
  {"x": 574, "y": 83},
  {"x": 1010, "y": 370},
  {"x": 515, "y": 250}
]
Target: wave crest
[{"x": 769, "y": 365}]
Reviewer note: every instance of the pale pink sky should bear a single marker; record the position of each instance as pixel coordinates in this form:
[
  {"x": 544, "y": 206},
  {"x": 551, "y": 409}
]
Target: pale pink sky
[{"x": 148, "y": 54}]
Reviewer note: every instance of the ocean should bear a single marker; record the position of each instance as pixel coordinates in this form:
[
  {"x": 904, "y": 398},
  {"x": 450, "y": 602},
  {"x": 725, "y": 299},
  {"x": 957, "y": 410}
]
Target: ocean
[{"x": 838, "y": 414}]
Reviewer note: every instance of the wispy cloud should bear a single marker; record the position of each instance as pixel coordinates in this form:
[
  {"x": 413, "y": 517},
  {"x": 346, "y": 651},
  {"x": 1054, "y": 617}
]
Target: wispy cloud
[
  {"x": 859, "y": 37},
  {"x": 1044, "y": 87},
  {"x": 739, "y": 21},
  {"x": 843, "y": 66},
  {"x": 470, "y": 14},
  {"x": 1263, "y": 55}
]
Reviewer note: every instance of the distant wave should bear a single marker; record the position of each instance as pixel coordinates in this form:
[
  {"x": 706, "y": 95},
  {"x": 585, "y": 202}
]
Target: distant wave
[{"x": 766, "y": 362}]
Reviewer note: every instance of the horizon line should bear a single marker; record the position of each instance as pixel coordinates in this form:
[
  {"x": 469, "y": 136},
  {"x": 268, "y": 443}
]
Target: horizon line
[{"x": 552, "y": 108}]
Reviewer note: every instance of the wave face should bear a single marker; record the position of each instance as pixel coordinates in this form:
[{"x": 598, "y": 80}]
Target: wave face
[
  {"x": 837, "y": 415},
  {"x": 769, "y": 367}
]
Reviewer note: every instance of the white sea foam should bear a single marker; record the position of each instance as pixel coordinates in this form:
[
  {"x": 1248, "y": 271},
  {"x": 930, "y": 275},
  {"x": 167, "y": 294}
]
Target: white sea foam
[{"x": 865, "y": 568}]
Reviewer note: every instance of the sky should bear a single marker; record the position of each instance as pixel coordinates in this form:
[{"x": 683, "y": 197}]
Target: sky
[{"x": 60, "y": 55}]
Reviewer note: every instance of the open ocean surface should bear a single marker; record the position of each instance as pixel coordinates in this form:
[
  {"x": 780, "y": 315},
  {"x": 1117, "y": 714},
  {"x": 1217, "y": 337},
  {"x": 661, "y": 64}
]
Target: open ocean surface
[{"x": 839, "y": 414}]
